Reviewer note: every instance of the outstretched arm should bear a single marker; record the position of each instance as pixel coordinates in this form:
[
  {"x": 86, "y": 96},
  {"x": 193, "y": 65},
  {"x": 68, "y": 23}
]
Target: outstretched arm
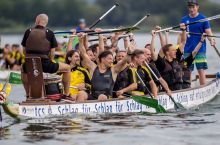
[
  {"x": 86, "y": 61},
  {"x": 152, "y": 46},
  {"x": 183, "y": 37}
]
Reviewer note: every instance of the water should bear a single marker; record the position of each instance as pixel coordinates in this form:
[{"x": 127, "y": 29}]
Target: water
[{"x": 193, "y": 127}]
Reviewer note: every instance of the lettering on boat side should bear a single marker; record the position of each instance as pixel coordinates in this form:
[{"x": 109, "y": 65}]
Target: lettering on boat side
[
  {"x": 84, "y": 108},
  {"x": 132, "y": 105}
]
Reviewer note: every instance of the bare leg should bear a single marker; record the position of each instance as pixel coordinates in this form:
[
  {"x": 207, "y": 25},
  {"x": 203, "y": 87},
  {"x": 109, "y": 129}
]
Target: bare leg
[
  {"x": 102, "y": 97},
  {"x": 65, "y": 70},
  {"x": 202, "y": 76},
  {"x": 82, "y": 96}
]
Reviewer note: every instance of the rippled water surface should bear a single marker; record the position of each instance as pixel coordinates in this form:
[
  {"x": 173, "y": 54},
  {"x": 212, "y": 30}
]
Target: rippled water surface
[{"x": 200, "y": 126}]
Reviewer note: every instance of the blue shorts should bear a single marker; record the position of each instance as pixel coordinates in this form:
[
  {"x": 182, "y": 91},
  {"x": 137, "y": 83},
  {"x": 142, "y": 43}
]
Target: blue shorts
[{"x": 200, "y": 61}]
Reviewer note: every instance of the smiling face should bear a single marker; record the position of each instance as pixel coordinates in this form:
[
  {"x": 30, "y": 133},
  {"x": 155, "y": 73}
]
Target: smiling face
[
  {"x": 139, "y": 59},
  {"x": 193, "y": 10},
  {"x": 75, "y": 59},
  {"x": 91, "y": 55},
  {"x": 107, "y": 61},
  {"x": 120, "y": 55}
]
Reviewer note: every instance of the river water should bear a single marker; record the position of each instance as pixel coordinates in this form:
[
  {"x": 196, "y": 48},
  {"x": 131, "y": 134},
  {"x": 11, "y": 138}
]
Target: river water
[{"x": 201, "y": 126}]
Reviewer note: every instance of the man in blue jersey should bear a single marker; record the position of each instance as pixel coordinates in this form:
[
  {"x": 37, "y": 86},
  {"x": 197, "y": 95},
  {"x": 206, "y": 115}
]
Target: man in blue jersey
[{"x": 193, "y": 40}]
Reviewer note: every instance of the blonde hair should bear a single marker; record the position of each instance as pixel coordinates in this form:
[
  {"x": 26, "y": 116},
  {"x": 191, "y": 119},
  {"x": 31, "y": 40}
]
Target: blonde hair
[{"x": 41, "y": 19}]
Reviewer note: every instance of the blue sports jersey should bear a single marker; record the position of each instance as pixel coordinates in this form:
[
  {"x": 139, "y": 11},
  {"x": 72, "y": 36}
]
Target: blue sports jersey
[{"x": 193, "y": 40}]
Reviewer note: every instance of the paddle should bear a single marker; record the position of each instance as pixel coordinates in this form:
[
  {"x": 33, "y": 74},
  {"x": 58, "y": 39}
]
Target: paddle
[
  {"x": 216, "y": 50},
  {"x": 135, "y": 25},
  {"x": 104, "y": 15},
  {"x": 144, "y": 100},
  {"x": 93, "y": 25},
  {"x": 107, "y": 31},
  {"x": 191, "y": 23},
  {"x": 159, "y": 108},
  {"x": 192, "y": 33},
  {"x": 176, "y": 104},
  {"x": 200, "y": 34}
]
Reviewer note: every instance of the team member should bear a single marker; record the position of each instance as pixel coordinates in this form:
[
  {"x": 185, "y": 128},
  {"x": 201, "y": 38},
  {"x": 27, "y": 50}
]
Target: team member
[
  {"x": 103, "y": 74},
  {"x": 147, "y": 53},
  {"x": 80, "y": 77},
  {"x": 40, "y": 41},
  {"x": 193, "y": 40}
]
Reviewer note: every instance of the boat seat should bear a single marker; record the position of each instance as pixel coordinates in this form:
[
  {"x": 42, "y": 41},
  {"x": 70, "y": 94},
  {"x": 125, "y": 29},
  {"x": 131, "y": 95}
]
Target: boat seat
[{"x": 35, "y": 78}]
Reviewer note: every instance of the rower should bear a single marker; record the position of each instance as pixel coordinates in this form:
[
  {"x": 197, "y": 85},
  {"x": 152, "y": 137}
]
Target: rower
[
  {"x": 193, "y": 40},
  {"x": 40, "y": 41},
  {"x": 103, "y": 74},
  {"x": 150, "y": 62},
  {"x": 80, "y": 78}
]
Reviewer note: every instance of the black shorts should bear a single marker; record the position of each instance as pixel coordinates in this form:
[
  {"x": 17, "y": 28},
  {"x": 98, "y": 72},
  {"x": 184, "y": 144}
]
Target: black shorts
[{"x": 47, "y": 65}]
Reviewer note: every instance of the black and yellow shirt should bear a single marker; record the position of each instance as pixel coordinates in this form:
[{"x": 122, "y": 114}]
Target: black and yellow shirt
[{"x": 79, "y": 75}]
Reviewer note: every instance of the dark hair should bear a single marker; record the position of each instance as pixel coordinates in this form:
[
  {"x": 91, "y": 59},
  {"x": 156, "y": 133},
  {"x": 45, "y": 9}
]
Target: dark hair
[
  {"x": 136, "y": 53},
  {"x": 15, "y": 45},
  {"x": 70, "y": 54},
  {"x": 94, "y": 47},
  {"x": 147, "y": 45},
  {"x": 166, "y": 48},
  {"x": 7, "y": 45},
  {"x": 104, "y": 54}
]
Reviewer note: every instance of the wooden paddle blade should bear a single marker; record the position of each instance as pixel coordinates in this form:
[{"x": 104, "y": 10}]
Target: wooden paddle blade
[
  {"x": 153, "y": 103},
  {"x": 15, "y": 78}
]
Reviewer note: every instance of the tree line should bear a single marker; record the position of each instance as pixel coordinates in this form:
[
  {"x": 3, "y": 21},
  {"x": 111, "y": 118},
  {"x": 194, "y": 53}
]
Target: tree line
[{"x": 65, "y": 13}]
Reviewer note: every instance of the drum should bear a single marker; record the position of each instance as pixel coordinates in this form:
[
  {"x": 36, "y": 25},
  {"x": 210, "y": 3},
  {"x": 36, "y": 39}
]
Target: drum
[{"x": 53, "y": 86}]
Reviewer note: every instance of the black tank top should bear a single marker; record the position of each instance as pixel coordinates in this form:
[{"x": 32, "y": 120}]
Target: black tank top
[{"x": 102, "y": 83}]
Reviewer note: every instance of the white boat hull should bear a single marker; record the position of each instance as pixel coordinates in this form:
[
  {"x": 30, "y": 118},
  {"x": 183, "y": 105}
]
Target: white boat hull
[{"x": 188, "y": 98}]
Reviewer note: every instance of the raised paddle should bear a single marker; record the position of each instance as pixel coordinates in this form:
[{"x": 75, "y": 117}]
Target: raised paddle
[
  {"x": 135, "y": 25},
  {"x": 93, "y": 25},
  {"x": 176, "y": 104},
  {"x": 193, "y": 33},
  {"x": 159, "y": 107},
  {"x": 104, "y": 15},
  {"x": 191, "y": 23},
  {"x": 107, "y": 31}
]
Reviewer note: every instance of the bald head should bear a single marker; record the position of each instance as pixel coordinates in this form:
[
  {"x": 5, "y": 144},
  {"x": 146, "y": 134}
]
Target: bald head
[{"x": 42, "y": 19}]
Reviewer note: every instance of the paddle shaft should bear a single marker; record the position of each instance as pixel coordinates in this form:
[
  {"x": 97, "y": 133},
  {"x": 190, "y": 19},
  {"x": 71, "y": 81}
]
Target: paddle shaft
[
  {"x": 216, "y": 50},
  {"x": 148, "y": 91},
  {"x": 193, "y": 33},
  {"x": 113, "y": 30},
  {"x": 104, "y": 15},
  {"x": 191, "y": 23},
  {"x": 108, "y": 37},
  {"x": 160, "y": 83}
]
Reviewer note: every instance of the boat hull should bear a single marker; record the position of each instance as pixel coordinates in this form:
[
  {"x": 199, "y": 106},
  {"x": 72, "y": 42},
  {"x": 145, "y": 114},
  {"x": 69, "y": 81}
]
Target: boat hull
[{"x": 188, "y": 98}]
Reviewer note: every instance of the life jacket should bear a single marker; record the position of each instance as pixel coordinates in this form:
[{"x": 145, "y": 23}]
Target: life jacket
[
  {"x": 172, "y": 74},
  {"x": 102, "y": 83},
  {"x": 79, "y": 75},
  {"x": 37, "y": 43}
]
